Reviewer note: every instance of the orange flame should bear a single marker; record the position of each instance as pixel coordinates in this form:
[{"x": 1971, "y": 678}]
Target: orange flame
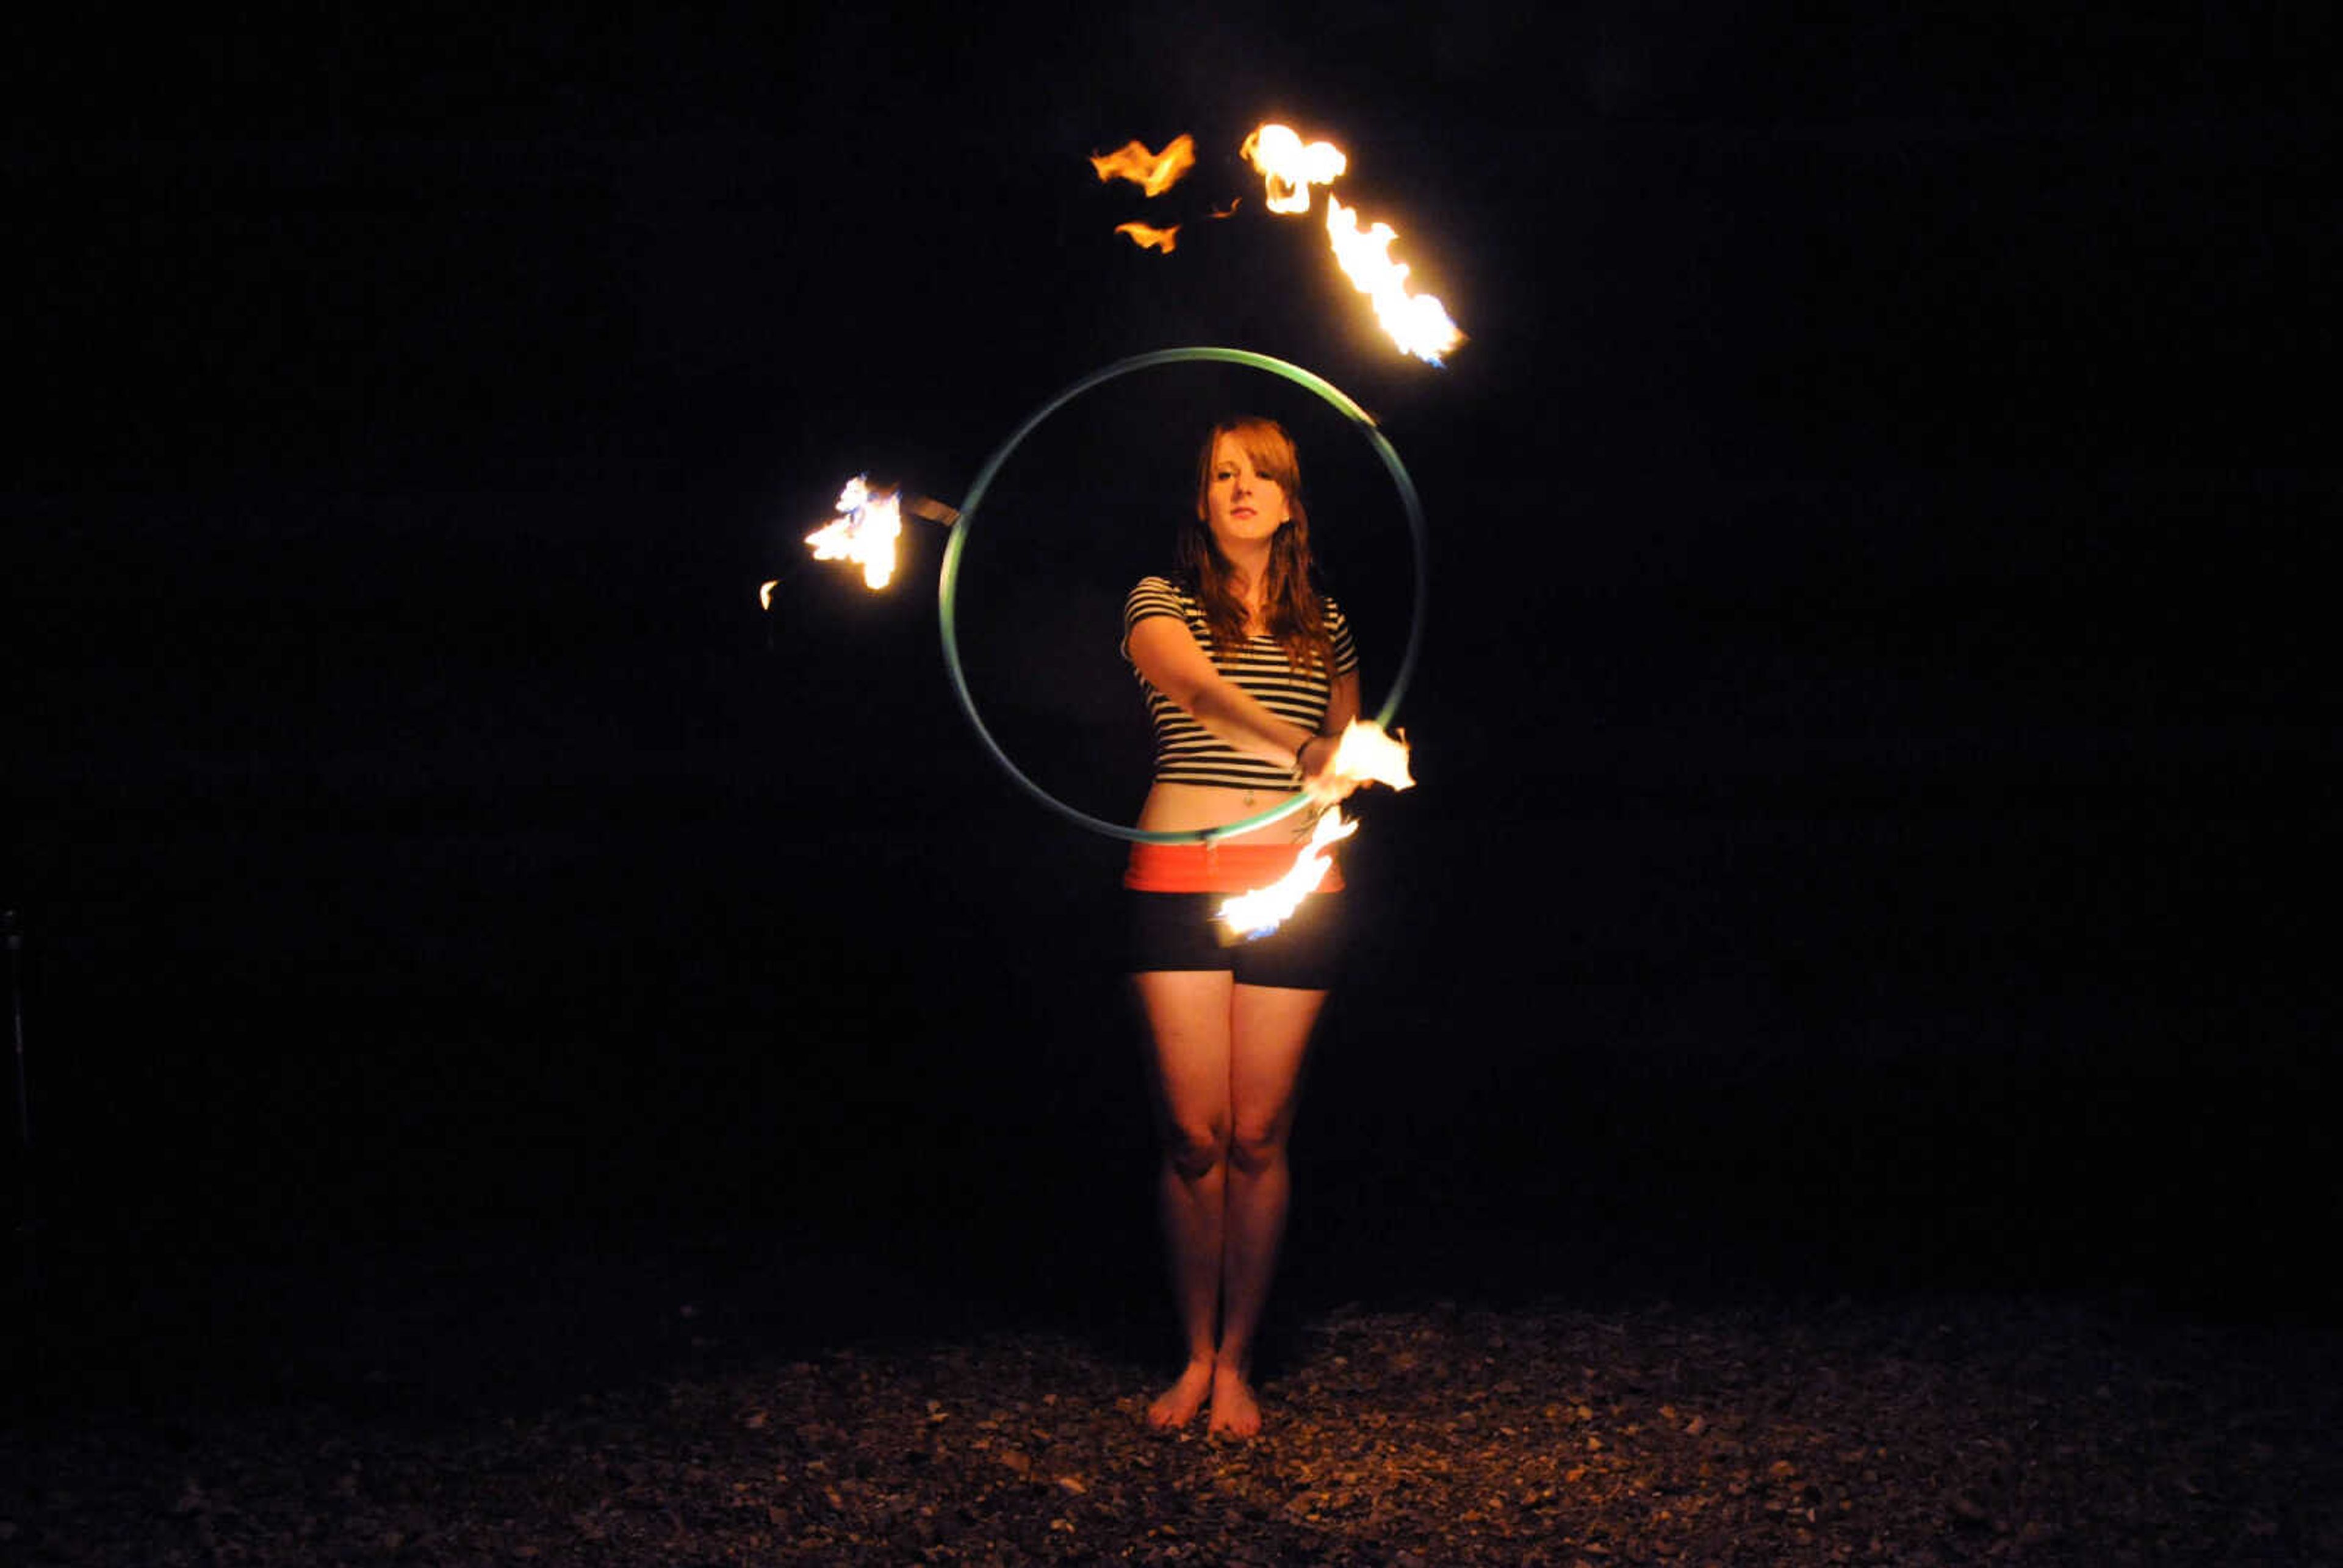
[
  {"x": 1418, "y": 322},
  {"x": 1263, "y": 910},
  {"x": 1153, "y": 173},
  {"x": 1166, "y": 240},
  {"x": 1290, "y": 166},
  {"x": 863, "y": 533},
  {"x": 1366, "y": 753},
  {"x": 765, "y": 593}
]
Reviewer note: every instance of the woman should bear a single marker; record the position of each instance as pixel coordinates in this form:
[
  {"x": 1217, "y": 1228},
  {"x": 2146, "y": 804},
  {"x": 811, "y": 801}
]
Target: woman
[{"x": 1250, "y": 677}]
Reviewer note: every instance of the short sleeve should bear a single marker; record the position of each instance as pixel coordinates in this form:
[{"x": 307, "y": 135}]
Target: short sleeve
[
  {"x": 1338, "y": 632},
  {"x": 1151, "y": 597}
]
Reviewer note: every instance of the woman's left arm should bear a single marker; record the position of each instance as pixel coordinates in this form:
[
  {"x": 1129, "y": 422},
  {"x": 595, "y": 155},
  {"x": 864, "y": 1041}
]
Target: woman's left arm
[{"x": 1318, "y": 757}]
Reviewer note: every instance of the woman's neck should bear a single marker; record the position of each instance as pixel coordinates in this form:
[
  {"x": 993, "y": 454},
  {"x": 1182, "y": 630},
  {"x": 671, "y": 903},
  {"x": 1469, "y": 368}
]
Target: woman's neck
[{"x": 1249, "y": 570}]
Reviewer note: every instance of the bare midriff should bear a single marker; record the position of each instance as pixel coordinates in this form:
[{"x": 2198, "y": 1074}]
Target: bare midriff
[{"x": 1188, "y": 807}]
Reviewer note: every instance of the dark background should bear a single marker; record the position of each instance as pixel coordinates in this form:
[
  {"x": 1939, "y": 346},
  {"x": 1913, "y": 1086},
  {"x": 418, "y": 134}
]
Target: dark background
[{"x": 1873, "y": 726}]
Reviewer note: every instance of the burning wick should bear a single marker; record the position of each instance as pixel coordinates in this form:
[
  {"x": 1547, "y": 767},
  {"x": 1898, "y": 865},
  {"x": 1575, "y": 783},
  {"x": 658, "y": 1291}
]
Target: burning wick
[
  {"x": 1364, "y": 753},
  {"x": 865, "y": 531},
  {"x": 1292, "y": 168}
]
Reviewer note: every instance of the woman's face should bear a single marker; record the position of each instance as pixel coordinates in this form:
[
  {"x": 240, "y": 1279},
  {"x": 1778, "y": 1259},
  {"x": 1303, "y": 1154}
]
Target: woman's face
[{"x": 1242, "y": 505}]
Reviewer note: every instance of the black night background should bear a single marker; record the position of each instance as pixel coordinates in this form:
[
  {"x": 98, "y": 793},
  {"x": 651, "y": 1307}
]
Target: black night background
[{"x": 1873, "y": 728}]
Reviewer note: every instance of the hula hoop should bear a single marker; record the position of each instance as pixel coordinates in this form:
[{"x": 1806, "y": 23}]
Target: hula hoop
[{"x": 948, "y": 588}]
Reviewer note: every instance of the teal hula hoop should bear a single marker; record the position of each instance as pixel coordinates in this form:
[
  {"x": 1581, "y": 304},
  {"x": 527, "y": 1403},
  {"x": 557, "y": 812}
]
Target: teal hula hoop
[{"x": 947, "y": 591}]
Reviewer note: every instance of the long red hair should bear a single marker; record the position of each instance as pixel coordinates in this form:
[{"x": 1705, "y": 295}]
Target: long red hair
[{"x": 1290, "y": 604}]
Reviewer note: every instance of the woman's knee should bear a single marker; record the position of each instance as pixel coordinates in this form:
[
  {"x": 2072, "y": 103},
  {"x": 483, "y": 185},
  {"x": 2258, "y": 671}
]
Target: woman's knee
[
  {"x": 1195, "y": 1149},
  {"x": 1252, "y": 1151}
]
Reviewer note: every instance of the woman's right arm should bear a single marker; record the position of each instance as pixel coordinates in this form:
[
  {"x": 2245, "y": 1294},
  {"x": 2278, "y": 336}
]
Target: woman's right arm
[{"x": 1166, "y": 653}]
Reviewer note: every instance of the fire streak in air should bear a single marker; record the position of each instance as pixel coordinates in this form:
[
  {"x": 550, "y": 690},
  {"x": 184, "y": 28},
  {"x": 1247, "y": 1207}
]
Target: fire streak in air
[
  {"x": 1418, "y": 322},
  {"x": 1290, "y": 166},
  {"x": 1166, "y": 240},
  {"x": 1263, "y": 910},
  {"x": 864, "y": 532},
  {"x": 1152, "y": 173}
]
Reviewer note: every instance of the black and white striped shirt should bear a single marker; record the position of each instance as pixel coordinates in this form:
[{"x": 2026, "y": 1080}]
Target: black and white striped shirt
[{"x": 1188, "y": 753}]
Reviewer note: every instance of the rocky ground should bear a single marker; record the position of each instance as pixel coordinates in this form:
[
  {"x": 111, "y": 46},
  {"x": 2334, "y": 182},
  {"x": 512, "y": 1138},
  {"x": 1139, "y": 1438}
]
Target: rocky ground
[{"x": 1921, "y": 1430}]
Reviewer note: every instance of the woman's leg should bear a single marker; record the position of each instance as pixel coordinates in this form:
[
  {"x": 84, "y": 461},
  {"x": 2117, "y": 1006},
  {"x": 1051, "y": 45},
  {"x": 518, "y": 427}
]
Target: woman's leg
[
  {"x": 1269, "y": 1034},
  {"x": 1188, "y": 1017}
]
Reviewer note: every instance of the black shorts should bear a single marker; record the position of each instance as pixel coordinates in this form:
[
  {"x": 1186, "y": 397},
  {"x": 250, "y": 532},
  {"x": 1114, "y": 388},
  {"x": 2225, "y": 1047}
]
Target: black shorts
[{"x": 1178, "y": 931}]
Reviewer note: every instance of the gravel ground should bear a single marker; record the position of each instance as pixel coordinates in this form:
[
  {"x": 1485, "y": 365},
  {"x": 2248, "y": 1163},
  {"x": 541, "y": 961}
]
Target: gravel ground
[{"x": 1942, "y": 1430}]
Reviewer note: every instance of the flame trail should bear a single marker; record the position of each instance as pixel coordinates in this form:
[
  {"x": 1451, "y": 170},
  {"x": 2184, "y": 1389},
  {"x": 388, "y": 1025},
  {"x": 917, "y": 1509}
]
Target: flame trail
[
  {"x": 1263, "y": 910},
  {"x": 1166, "y": 240},
  {"x": 1152, "y": 173},
  {"x": 1418, "y": 322}
]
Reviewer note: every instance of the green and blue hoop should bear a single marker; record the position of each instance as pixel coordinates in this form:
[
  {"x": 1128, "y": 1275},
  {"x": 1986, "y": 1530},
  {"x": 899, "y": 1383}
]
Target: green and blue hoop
[{"x": 948, "y": 585}]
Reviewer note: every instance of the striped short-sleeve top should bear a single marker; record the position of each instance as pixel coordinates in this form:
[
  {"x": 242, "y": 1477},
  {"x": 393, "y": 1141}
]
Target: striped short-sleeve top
[{"x": 1188, "y": 753}]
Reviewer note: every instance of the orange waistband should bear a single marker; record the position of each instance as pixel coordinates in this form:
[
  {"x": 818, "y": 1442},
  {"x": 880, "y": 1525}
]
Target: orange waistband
[{"x": 1215, "y": 868}]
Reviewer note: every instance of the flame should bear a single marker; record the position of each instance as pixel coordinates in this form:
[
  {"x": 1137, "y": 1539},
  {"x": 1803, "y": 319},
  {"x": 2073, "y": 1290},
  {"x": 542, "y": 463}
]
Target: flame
[
  {"x": 864, "y": 532},
  {"x": 1153, "y": 173},
  {"x": 1288, "y": 166},
  {"x": 1166, "y": 240},
  {"x": 1365, "y": 752},
  {"x": 765, "y": 594},
  {"x": 1418, "y": 322},
  {"x": 1263, "y": 910}
]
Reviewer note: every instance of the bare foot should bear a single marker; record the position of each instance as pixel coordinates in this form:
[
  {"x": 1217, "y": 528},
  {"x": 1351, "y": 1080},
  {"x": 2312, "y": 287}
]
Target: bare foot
[
  {"x": 1234, "y": 1409},
  {"x": 1176, "y": 1405}
]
